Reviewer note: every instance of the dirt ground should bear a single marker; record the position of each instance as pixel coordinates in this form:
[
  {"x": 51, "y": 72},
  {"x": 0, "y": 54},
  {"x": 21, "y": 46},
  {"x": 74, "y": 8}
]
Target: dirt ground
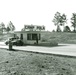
[{"x": 27, "y": 63}]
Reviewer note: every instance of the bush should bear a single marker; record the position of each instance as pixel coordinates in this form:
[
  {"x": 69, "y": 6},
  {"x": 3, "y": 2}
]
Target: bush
[
  {"x": 53, "y": 43},
  {"x": 43, "y": 40},
  {"x": 49, "y": 43}
]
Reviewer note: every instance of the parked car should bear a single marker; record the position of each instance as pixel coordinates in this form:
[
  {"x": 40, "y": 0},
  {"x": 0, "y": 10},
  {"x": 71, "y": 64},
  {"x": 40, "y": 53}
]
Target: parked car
[
  {"x": 10, "y": 38},
  {"x": 15, "y": 41}
]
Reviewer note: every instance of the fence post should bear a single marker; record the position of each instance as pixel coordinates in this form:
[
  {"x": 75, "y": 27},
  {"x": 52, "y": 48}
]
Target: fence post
[{"x": 10, "y": 45}]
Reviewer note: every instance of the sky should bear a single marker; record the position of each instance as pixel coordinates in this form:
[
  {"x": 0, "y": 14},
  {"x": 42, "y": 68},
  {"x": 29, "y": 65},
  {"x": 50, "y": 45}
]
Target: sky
[{"x": 36, "y": 12}]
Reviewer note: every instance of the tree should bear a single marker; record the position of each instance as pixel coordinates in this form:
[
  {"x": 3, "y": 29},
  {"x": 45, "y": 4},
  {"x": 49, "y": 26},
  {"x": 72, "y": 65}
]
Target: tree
[
  {"x": 10, "y": 26},
  {"x": 2, "y": 26},
  {"x": 8, "y": 29},
  {"x": 63, "y": 20},
  {"x": 59, "y": 20},
  {"x": 67, "y": 29},
  {"x": 73, "y": 21},
  {"x": 58, "y": 29},
  {"x": 53, "y": 30}
]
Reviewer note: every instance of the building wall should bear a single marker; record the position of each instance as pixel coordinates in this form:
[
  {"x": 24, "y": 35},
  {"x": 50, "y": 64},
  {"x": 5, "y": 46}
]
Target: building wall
[
  {"x": 28, "y": 41},
  {"x": 31, "y": 41},
  {"x": 25, "y": 37}
]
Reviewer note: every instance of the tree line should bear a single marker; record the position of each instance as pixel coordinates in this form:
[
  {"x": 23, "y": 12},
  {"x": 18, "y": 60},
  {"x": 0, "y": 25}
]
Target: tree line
[
  {"x": 61, "y": 19},
  {"x": 9, "y": 27}
]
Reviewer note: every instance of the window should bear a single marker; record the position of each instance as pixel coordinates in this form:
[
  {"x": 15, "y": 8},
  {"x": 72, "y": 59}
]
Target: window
[
  {"x": 28, "y": 36},
  {"x": 33, "y": 36}
]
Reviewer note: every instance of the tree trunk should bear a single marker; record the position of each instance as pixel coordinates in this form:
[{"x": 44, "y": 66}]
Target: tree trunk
[
  {"x": 58, "y": 28},
  {"x": 74, "y": 28}
]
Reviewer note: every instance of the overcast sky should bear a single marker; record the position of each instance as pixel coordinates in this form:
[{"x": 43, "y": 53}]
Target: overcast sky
[{"x": 36, "y": 12}]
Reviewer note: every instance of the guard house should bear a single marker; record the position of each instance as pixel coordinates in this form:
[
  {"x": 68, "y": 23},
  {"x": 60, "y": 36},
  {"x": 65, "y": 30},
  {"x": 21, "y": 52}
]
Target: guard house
[{"x": 29, "y": 33}]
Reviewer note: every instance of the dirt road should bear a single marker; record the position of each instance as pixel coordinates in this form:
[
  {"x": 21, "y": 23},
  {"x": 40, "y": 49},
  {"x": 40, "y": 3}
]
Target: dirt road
[{"x": 62, "y": 49}]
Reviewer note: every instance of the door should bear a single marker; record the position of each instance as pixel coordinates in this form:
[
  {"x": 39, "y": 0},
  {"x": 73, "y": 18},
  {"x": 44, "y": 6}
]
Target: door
[
  {"x": 21, "y": 36},
  {"x": 34, "y": 36}
]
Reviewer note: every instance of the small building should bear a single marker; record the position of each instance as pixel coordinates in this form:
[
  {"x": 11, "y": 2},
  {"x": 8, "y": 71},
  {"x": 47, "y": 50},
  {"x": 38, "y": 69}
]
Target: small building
[
  {"x": 29, "y": 37},
  {"x": 31, "y": 33}
]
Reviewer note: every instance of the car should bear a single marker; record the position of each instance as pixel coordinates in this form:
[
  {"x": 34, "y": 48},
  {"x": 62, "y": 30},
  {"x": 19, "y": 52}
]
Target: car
[
  {"x": 10, "y": 38},
  {"x": 15, "y": 41}
]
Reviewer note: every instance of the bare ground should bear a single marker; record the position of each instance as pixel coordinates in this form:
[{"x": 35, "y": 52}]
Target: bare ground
[{"x": 27, "y": 63}]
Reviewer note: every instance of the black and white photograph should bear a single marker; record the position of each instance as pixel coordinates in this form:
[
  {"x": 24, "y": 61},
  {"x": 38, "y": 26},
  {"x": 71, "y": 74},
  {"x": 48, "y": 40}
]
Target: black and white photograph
[{"x": 37, "y": 37}]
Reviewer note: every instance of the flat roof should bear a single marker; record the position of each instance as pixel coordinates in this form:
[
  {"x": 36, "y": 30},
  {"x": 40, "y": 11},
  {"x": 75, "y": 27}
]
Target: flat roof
[
  {"x": 42, "y": 31},
  {"x": 30, "y": 31},
  {"x": 27, "y": 31}
]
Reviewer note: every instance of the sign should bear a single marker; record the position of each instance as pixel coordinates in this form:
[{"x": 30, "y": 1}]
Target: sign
[{"x": 34, "y": 28}]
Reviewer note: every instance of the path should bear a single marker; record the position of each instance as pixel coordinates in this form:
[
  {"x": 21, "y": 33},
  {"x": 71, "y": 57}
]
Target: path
[{"x": 63, "y": 49}]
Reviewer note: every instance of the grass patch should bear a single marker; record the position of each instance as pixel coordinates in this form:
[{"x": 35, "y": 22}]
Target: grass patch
[
  {"x": 60, "y": 37},
  {"x": 27, "y": 63}
]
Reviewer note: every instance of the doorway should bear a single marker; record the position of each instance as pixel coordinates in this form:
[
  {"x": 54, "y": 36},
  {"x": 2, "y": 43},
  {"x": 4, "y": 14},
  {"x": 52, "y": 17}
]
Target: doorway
[{"x": 21, "y": 36}]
